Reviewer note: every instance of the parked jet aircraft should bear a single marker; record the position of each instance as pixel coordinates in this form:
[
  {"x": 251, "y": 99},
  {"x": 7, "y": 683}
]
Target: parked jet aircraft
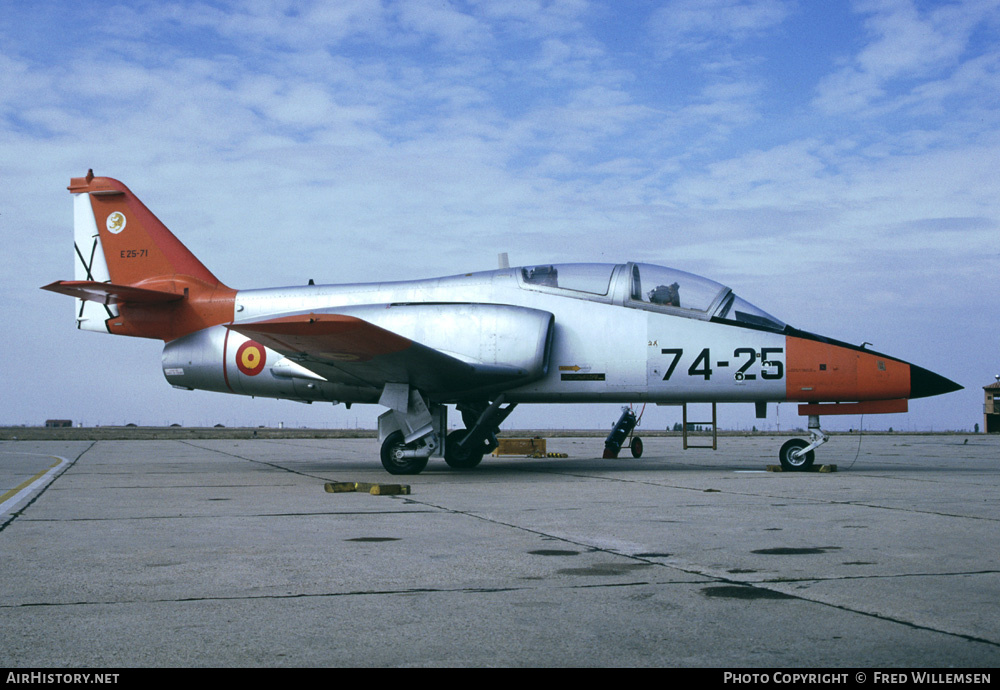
[{"x": 484, "y": 342}]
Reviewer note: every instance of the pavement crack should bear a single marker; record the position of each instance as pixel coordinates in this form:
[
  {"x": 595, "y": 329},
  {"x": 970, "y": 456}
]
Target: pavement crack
[
  {"x": 320, "y": 595},
  {"x": 844, "y": 578},
  {"x": 816, "y": 501},
  {"x": 259, "y": 462},
  {"x": 238, "y": 516}
]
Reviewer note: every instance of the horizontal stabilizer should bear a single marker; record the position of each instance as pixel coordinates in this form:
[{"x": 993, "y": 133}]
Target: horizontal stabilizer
[{"x": 109, "y": 293}]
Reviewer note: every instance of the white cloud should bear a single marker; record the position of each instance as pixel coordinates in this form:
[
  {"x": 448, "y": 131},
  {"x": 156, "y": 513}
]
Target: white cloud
[
  {"x": 904, "y": 44},
  {"x": 695, "y": 25},
  {"x": 451, "y": 29},
  {"x": 264, "y": 24}
]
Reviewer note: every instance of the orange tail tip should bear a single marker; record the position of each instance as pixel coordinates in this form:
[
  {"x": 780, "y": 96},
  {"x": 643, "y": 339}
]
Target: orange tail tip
[{"x": 119, "y": 242}]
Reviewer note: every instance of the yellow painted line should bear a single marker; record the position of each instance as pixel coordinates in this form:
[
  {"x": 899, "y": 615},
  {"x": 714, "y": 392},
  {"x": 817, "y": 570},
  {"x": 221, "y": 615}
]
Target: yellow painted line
[
  {"x": 28, "y": 482},
  {"x": 11, "y": 495}
]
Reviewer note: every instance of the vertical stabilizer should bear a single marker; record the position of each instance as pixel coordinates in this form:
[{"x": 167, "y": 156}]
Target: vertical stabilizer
[
  {"x": 137, "y": 246},
  {"x": 133, "y": 276}
]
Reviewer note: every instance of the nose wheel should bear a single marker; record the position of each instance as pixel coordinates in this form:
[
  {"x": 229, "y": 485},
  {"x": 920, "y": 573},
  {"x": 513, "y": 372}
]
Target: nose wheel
[{"x": 796, "y": 455}]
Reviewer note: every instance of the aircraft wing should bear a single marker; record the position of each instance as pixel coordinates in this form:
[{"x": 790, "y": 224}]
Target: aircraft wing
[{"x": 347, "y": 348}]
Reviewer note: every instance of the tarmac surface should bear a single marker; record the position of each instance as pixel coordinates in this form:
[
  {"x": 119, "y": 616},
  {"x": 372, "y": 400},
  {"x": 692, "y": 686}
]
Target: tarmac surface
[{"x": 230, "y": 553}]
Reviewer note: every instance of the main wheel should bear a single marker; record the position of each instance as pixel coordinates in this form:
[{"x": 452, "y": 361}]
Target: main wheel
[
  {"x": 636, "y": 447},
  {"x": 791, "y": 462},
  {"x": 396, "y": 464},
  {"x": 454, "y": 455}
]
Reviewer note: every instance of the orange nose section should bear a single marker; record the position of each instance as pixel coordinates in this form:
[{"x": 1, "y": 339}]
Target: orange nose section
[{"x": 826, "y": 372}]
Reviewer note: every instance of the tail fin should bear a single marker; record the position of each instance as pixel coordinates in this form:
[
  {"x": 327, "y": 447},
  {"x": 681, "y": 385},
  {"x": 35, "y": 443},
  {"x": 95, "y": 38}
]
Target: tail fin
[{"x": 133, "y": 277}]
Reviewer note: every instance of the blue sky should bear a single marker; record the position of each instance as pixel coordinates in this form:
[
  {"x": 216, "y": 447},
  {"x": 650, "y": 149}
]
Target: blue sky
[{"x": 834, "y": 163}]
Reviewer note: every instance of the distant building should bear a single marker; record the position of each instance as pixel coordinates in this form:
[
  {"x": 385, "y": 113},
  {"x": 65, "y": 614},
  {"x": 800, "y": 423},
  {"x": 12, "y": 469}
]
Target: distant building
[
  {"x": 58, "y": 423},
  {"x": 991, "y": 408}
]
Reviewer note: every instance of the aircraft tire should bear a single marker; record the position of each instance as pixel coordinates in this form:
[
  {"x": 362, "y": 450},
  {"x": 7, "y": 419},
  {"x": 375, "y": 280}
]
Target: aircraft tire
[
  {"x": 394, "y": 465},
  {"x": 636, "y": 447},
  {"x": 456, "y": 460},
  {"x": 793, "y": 464}
]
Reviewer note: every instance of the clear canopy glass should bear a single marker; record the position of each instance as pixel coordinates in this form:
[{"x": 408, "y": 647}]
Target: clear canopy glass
[
  {"x": 653, "y": 287},
  {"x": 658, "y": 286},
  {"x": 669, "y": 287},
  {"x": 591, "y": 278}
]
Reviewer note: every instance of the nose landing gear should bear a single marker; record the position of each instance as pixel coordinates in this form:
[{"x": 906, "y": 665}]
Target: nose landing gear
[{"x": 796, "y": 455}]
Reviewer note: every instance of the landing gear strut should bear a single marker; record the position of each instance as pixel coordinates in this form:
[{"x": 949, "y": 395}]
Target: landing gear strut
[
  {"x": 465, "y": 448},
  {"x": 797, "y": 455},
  {"x": 463, "y": 457}
]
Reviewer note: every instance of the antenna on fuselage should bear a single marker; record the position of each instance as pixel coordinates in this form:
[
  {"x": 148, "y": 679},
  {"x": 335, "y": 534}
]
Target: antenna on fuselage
[{"x": 503, "y": 260}]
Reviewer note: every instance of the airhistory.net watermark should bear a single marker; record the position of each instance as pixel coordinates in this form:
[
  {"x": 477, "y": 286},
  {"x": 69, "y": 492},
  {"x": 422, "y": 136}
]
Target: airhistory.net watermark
[{"x": 61, "y": 678}]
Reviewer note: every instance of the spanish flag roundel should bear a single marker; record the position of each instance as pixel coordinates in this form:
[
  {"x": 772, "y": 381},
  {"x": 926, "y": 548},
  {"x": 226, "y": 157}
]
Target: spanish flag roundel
[{"x": 250, "y": 358}]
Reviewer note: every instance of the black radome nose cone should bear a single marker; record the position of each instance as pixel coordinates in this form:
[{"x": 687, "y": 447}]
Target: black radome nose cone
[{"x": 924, "y": 384}]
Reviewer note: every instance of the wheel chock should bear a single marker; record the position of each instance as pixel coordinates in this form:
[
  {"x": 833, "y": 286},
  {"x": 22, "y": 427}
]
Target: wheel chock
[
  {"x": 389, "y": 490},
  {"x": 373, "y": 489},
  {"x": 815, "y": 468},
  {"x": 340, "y": 487}
]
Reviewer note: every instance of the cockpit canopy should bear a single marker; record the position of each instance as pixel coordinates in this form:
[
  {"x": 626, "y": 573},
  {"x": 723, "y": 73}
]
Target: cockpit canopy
[
  {"x": 594, "y": 279},
  {"x": 655, "y": 288}
]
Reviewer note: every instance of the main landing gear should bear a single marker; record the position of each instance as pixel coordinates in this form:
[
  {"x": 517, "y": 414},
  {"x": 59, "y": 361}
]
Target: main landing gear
[
  {"x": 413, "y": 430},
  {"x": 797, "y": 455},
  {"x": 410, "y": 430}
]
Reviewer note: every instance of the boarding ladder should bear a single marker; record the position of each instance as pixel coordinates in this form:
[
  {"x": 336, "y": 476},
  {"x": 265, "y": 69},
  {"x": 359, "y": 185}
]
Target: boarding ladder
[{"x": 687, "y": 424}]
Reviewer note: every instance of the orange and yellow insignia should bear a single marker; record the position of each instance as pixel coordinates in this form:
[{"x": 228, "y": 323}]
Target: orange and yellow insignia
[
  {"x": 116, "y": 222},
  {"x": 250, "y": 358}
]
